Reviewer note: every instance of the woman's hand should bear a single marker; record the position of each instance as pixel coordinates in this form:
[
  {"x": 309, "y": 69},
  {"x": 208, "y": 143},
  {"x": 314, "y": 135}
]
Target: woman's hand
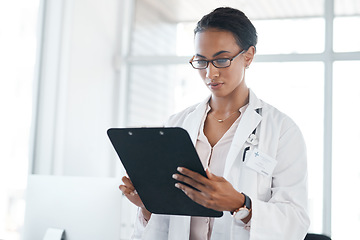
[
  {"x": 214, "y": 192},
  {"x": 129, "y": 191}
]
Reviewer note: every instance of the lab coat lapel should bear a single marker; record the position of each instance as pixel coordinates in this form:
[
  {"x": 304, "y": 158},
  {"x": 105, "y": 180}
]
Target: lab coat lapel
[
  {"x": 193, "y": 121},
  {"x": 179, "y": 227},
  {"x": 247, "y": 124}
]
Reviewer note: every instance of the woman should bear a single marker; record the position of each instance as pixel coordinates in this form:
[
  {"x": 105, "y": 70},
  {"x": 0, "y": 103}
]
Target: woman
[{"x": 254, "y": 155}]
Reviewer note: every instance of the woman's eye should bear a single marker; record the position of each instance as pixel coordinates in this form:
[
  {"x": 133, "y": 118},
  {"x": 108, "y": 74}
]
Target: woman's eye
[
  {"x": 201, "y": 62},
  {"x": 221, "y": 60}
]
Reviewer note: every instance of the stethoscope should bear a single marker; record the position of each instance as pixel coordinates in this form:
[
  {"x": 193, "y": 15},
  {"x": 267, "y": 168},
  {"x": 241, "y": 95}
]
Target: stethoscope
[{"x": 252, "y": 140}]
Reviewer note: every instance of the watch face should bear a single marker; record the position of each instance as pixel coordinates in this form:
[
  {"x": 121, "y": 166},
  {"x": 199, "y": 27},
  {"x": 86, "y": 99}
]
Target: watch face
[{"x": 241, "y": 214}]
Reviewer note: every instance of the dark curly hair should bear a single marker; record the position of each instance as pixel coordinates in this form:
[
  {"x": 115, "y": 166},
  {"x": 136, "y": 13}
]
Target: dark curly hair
[{"x": 232, "y": 20}]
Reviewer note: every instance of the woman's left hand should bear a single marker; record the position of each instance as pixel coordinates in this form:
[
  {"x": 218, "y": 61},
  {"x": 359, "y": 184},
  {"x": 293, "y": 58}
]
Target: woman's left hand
[{"x": 214, "y": 192}]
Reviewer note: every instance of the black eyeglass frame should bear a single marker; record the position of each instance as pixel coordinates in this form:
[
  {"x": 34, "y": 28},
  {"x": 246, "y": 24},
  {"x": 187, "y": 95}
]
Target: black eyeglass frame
[{"x": 212, "y": 61}]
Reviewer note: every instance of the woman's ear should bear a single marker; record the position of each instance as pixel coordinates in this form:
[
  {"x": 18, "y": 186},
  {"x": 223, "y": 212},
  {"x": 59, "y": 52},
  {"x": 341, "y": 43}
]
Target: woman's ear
[{"x": 249, "y": 56}]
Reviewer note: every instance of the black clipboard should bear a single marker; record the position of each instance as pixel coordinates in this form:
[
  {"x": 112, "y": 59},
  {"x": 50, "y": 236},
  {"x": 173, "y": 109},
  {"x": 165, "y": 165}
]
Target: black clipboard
[{"x": 150, "y": 157}]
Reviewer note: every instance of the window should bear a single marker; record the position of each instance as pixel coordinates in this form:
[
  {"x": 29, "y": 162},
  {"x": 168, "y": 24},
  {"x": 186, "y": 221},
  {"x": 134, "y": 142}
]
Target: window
[
  {"x": 346, "y": 38},
  {"x": 292, "y": 60},
  {"x": 346, "y": 138},
  {"x": 287, "y": 36},
  {"x": 166, "y": 33},
  {"x": 149, "y": 94},
  {"x": 306, "y": 54},
  {"x": 17, "y": 58},
  {"x": 301, "y": 97}
]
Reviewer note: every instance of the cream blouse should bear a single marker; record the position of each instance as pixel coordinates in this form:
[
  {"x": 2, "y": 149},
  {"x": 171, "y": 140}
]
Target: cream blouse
[{"x": 213, "y": 158}]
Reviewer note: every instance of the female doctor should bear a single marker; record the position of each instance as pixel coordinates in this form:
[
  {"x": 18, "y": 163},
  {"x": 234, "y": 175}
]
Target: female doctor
[{"x": 254, "y": 155}]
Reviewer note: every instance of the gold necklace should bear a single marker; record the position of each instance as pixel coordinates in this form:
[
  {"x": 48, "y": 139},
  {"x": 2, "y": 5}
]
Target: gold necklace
[{"x": 222, "y": 120}]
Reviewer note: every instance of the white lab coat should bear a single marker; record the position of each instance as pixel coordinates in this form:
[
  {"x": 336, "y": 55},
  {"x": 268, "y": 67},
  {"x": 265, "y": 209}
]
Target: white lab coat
[{"x": 279, "y": 201}]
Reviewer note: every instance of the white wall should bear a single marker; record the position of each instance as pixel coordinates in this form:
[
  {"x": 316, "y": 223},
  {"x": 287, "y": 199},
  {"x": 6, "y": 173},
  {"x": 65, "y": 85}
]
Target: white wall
[{"x": 76, "y": 88}]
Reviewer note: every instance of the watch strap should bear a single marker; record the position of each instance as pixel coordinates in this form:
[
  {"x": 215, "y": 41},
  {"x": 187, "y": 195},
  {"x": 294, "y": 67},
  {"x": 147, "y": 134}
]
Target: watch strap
[{"x": 247, "y": 204}]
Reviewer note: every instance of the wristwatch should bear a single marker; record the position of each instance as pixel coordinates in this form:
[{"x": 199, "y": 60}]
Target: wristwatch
[{"x": 243, "y": 211}]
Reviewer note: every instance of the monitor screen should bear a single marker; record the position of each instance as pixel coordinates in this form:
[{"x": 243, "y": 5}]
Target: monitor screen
[{"x": 86, "y": 208}]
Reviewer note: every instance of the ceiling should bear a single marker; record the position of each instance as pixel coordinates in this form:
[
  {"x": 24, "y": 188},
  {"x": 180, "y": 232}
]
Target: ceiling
[{"x": 193, "y": 10}]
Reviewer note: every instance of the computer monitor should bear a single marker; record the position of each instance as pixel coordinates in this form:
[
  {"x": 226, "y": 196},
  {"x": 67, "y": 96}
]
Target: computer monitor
[{"x": 85, "y": 207}]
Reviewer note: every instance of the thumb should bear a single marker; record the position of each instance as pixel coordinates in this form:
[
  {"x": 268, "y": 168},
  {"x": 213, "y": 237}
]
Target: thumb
[{"x": 209, "y": 174}]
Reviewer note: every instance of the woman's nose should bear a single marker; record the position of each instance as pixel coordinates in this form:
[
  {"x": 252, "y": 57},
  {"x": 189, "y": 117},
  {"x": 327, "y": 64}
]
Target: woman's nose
[{"x": 212, "y": 71}]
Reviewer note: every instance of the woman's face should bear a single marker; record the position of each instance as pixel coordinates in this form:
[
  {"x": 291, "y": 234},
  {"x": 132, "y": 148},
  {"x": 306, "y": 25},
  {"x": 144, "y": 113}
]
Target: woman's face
[{"x": 213, "y": 44}]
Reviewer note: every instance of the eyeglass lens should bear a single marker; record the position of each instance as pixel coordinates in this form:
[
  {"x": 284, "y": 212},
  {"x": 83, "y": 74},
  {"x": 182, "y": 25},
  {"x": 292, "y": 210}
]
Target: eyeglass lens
[{"x": 220, "y": 63}]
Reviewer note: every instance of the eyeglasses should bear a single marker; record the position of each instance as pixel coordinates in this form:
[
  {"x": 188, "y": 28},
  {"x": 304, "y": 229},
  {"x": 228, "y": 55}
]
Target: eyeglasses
[{"x": 218, "y": 63}]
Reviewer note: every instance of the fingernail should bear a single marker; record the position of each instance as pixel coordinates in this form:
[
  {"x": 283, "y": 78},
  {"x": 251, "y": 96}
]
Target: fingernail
[
  {"x": 174, "y": 176},
  {"x": 177, "y": 185},
  {"x": 132, "y": 194},
  {"x": 179, "y": 169},
  {"x": 135, "y": 192}
]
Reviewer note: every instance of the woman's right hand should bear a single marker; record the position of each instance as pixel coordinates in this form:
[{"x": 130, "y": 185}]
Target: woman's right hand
[{"x": 129, "y": 191}]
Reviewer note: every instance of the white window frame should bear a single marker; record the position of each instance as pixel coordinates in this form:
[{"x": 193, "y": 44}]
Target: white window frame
[
  {"x": 122, "y": 62},
  {"x": 328, "y": 57}
]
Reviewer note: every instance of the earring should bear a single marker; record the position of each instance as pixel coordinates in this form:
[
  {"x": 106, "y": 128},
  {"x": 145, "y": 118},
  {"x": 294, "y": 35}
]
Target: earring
[{"x": 247, "y": 66}]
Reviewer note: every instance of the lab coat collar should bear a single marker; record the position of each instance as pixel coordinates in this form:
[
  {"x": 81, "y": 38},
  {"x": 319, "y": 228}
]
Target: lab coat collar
[
  {"x": 254, "y": 102},
  {"x": 192, "y": 124},
  {"x": 247, "y": 124},
  {"x": 193, "y": 121}
]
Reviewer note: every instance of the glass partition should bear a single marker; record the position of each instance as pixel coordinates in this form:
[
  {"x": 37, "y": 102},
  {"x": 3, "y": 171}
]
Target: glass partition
[{"x": 346, "y": 138}]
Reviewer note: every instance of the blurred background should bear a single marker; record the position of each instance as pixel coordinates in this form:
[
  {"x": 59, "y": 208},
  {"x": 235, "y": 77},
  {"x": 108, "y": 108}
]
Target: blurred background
[{"x": 71, "y": 69}]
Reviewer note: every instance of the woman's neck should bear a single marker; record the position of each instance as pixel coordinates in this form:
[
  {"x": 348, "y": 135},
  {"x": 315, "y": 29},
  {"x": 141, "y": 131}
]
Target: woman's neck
[{"x": 231, "y": 102}]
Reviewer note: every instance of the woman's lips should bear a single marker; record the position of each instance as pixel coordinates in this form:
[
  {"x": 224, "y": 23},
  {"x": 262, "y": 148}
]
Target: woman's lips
[{"x": 215, "y": 85}]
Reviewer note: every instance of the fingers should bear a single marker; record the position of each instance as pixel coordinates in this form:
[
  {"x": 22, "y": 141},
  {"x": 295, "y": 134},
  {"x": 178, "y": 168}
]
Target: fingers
[
  {"x": 131, "y": 195},
  {"x": 209, "y": 174},
  {"x": 190, "y": 181},
  {"x": 211, "y": 189},
  {"x": 128, "y": 183},
  {"x": 194, "y": 175},
  {"x": 198, "y": 197},
  {"x": 128, "y": 187},
  {"x": 125, "y": 190},
  {"x": 197, "y": 180}
]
